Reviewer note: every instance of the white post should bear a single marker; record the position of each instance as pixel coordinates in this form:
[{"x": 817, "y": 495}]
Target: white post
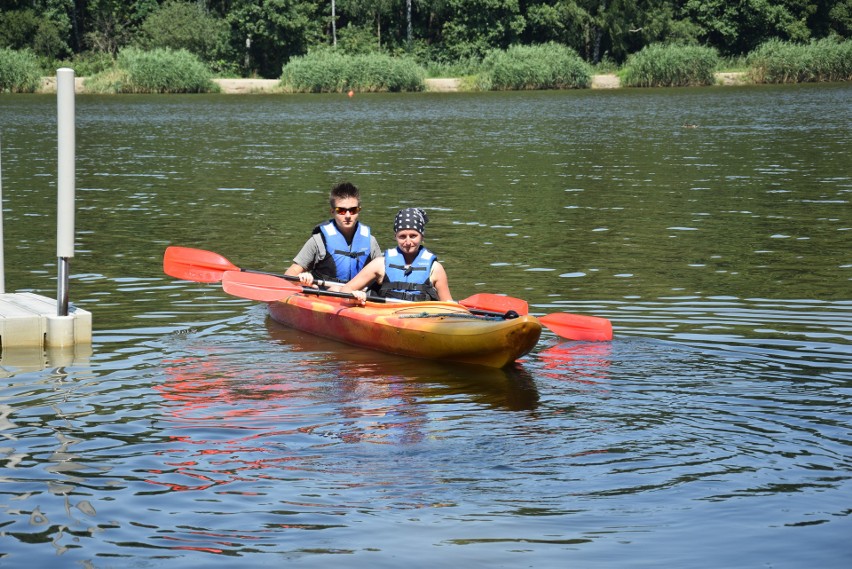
[{"x": 65, "y": 182}]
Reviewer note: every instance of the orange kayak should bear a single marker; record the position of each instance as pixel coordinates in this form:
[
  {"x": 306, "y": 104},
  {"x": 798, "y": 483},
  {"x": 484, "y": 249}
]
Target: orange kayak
[{"x": 442, "y": 331}]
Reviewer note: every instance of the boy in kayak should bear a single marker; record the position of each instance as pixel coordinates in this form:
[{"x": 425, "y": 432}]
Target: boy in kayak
[
  {"x": 410, "y": 271},
  {"x": 340, "y": 247}
]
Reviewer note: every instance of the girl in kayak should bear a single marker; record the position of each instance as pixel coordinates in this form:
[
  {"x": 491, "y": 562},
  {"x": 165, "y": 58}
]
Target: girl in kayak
[{"x": 408, "y": 272}]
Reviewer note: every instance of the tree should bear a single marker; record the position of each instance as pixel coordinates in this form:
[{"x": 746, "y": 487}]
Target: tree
[
  {"x": 474, "y": 27},
  {"x": 275, "y": 31},
  {"x": 740, "y": 26},
  {"x": 370, "y": 13},
  {"x": 182, "y": 25}
]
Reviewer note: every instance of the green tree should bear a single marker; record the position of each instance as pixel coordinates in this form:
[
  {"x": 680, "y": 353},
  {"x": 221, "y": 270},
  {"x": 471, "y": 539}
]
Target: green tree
[
  {"x": 17, "y": 27},
  {"x": 43, "y": 26},
  {"x": 372, "y": 14},
  {"x": 472, "y": 28},
  {"x": 112, "y": 24},
  {"x": 178, "y": 24},
  {"x": 838, "y": 20},
  {"x": 737, "y": 27},
  {"x": 270, "y": 32}
]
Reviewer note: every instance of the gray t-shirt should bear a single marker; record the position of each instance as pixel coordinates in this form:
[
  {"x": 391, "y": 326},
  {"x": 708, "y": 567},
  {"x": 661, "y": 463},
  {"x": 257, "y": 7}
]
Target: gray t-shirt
[{"x": 313, "y": 251}]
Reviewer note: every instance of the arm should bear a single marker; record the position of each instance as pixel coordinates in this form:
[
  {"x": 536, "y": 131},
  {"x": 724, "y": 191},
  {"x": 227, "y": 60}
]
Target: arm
[
  {"x": 439, "y": 281},
  {"x": 304, "y": 261},
  {"x": 295, "y": 270},
  {"x": 374, "y": 271}
]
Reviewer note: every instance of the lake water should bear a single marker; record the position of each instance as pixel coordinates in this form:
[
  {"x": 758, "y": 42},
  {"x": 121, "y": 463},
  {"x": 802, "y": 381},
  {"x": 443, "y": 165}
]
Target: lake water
[{"x": 712, "y": 226}]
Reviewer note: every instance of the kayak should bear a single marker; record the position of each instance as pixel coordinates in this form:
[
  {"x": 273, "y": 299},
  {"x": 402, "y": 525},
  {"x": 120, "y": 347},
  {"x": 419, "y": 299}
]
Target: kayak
[{"x": 441, "y": 331}]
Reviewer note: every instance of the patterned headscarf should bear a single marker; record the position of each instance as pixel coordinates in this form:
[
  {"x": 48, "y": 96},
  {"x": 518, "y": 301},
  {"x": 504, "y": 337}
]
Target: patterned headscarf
[{"x": 410, "y": 218}]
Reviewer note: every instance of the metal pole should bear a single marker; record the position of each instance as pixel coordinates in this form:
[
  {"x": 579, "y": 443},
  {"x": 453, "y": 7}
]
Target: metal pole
[{"x": 65, "y": 183}]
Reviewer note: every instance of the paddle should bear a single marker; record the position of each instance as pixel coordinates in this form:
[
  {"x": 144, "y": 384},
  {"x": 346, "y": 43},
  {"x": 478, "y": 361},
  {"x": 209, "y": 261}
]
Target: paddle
[
  {"x": 208, "y": 267},
  {"x": 578, "y": 326},
  {"x": 269, "y": 288},
  {"x": 203, "y": 266},
  {"x": 496, "y": 302}
]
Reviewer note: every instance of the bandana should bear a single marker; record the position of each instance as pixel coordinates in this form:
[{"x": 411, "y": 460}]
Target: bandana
[{"x": 410, "y": 218}]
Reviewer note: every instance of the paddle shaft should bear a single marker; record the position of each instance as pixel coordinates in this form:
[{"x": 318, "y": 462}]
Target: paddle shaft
[{"x": 508, "y": 315}]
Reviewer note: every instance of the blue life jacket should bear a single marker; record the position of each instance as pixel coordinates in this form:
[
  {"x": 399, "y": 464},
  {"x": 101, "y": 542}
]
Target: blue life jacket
[
  {"x": 342, "y": 260},
  {"x": 412, "y": 282}
]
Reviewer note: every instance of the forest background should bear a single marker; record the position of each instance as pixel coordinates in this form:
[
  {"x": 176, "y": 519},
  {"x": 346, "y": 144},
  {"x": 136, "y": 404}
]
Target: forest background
[{"x": 256, "y": 38}]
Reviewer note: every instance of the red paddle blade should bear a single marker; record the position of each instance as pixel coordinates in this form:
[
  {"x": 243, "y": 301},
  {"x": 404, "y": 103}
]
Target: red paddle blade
[
  {"x": 496, "y": 303},
  {"x": 256, "y": 286},
  {"x": 578, "y": 327},
  {"x": 196, "y": 264}
]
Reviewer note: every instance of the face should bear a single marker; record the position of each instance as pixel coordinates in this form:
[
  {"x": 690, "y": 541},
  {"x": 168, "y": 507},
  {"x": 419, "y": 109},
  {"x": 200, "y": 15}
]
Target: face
[
  {"x": 348, "y": 218},
  {"x": 408, "y": 240}
]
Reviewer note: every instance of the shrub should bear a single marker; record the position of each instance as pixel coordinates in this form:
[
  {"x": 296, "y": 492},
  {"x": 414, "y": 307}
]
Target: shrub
[
  {"x": 328, "y": 71},
  {"x": 155, "y": 71},
  {"x": 779, "y": 61},
  {"x": 182, "y": 25},
  {"x": 659, "y": 65},
  {"x": 88, "y": 63},
  {"x": 19, "y": 71},
  {"x": 545, "y": 66}
]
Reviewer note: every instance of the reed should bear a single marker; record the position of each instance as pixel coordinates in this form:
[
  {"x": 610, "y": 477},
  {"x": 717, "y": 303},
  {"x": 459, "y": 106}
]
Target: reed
[
  {"x": 155, "y": 71},
  {"x": 544, "y": 66},
  {"x": 328, "y": 71},
  {"x": 779, "y": 61},
  {"x": 19, "y": 71},
  {"x": 660, "y": 65}
]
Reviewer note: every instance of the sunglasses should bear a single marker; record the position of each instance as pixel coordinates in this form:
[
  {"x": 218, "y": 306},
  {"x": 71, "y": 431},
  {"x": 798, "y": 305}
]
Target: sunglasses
[{"x": 349, "y": 210}]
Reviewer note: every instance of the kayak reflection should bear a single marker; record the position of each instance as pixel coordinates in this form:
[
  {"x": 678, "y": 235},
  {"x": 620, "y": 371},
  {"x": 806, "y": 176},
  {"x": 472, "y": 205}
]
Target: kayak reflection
[
  {"x": 510, "y": 388},
  {"x": 231, "y": 415}
]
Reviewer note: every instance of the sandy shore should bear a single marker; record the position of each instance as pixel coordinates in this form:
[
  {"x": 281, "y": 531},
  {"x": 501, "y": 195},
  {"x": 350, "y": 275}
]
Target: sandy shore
[
  {"x": 443, "y": 85},
  {"x": 435, "y": 85}
]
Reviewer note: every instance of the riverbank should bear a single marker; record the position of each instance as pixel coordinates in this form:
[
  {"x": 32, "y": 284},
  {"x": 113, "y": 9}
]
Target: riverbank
[{"x": 433, "y": 85}]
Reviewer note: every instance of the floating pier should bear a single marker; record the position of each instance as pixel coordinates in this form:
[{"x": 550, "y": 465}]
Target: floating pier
[{"x": 28, "y": 320}]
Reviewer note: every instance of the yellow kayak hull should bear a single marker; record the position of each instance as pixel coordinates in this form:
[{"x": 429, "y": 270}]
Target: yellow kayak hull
[{"x": 441, "y": 331}]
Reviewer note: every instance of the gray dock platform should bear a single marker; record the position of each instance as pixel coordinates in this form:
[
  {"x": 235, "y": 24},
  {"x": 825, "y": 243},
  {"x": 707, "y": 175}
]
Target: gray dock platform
[{"x": 29, "y": 320}]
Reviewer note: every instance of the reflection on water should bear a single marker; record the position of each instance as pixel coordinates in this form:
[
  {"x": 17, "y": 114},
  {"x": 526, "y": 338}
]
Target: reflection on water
[{"x": 712, "y": 432}]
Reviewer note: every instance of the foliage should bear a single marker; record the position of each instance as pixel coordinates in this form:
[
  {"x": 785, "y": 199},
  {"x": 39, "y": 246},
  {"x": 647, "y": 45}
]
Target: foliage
[
  {"x": 88, "y": 63},
  {"x": 179, "y": 25},
  {"x": 276, "y": 31},
  {"x": 475, "y": 27},
  {"x": 258, "y": 37},
  {"x": 353, "y": 39},
  {"x": 739, "y": 27},
  {"x": 329, "y": 71},
  {"x": 155, "y": 71},
  {"x": 785, "y": 62},
  {"x": 19, "y": 71},
  {"x": 546, "y": 66},
  {"x": 27, "y": 28},
  {"x": 661, "y": 65}
]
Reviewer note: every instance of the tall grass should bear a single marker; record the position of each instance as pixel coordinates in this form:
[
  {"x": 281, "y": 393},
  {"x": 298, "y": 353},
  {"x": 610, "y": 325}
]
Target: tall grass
[
  {"x": 155, "y": 71},
  {"x": 19, "y": 71},
  {"x": 544, "y": 66},
  {"x": 328, "y": 71},
  {"x": 660, "y": 65},
  {"x": 778, "y": 61}
]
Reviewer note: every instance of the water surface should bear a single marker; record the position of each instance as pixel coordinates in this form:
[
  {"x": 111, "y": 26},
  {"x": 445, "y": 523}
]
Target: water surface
[{"x": 713, "y": 431}]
